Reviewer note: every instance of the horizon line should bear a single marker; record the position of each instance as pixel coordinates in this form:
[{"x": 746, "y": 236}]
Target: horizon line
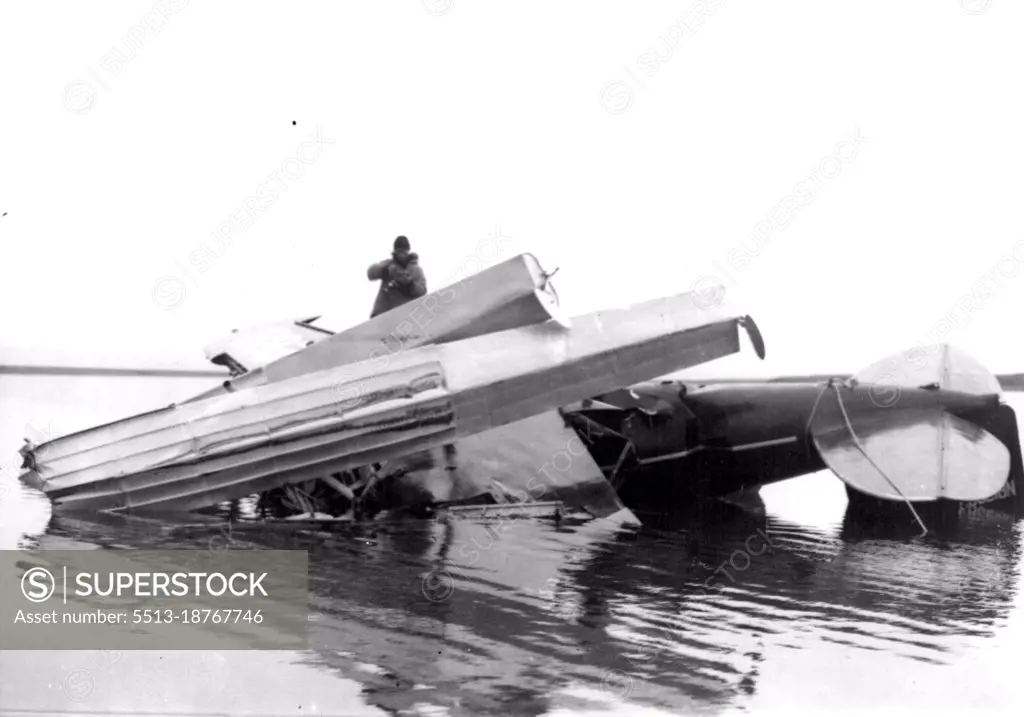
[{"x": 50, "y": 370}]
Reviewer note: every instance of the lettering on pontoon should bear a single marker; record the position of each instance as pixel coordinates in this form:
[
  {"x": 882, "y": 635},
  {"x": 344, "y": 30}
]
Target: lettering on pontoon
[{"x": 977, "y": 509}]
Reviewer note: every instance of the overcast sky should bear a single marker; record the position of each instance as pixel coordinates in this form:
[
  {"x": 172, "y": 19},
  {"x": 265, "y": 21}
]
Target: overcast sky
[{"x": 876, "y": 146}]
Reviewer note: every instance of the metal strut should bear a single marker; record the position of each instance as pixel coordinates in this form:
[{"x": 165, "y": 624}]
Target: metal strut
[{"x": 614, "y": 477}]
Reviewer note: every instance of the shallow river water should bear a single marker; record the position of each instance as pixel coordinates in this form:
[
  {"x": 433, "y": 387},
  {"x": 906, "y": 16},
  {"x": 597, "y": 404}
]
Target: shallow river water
[{"x": 808, "y": 613}]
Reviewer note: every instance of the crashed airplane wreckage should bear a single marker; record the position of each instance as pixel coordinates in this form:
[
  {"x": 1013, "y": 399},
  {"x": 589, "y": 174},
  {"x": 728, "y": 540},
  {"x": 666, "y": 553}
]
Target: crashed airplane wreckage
[
  {"x": 481, "y": 391},
  {"x": 476, "y": 371}
]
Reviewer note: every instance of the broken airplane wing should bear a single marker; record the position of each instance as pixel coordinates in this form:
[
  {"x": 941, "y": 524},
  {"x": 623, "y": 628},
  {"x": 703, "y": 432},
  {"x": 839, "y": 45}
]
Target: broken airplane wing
[{"x": 242, "y": 440}]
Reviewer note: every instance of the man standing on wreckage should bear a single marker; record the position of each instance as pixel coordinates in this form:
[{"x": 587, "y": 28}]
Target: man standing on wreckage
[
  {"x": 401, "y": 280},
  {"x": 400, "y": 276}
]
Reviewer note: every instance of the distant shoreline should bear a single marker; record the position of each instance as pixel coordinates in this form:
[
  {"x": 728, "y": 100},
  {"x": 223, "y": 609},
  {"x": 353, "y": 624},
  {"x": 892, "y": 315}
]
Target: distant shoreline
[
  {"x": 1009, "y": 382},
  {"x": 16, "y": 370}
]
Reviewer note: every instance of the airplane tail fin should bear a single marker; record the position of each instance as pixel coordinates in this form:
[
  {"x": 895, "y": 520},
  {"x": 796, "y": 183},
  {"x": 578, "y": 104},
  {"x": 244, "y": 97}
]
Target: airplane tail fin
[
  {"x": 943, "y": 366},
  {"x": 953, "y": 440}
]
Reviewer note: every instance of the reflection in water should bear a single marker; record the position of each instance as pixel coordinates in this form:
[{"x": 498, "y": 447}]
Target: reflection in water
[
  {"x": 678, "y": 615},
  {"x": 709, "y": 613}
]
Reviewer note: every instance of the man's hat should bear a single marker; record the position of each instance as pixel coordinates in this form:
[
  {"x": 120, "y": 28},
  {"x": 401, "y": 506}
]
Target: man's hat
[{"x": 401, "y": 243}]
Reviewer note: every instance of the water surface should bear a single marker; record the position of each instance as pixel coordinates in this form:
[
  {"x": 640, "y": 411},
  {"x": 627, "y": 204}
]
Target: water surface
[{"x": 807, "y": 613}]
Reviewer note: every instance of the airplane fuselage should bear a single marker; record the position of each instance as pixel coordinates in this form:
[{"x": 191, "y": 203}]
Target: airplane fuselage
[{"x": 719, "y": 438}]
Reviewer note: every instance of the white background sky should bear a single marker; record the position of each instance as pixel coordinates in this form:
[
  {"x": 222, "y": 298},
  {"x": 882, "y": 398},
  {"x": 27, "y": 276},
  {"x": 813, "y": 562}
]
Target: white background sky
[{"x": 448, "y": 124}]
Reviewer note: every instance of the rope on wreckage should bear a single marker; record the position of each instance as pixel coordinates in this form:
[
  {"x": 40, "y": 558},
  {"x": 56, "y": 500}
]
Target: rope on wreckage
[{"x": 834, "y": 384}]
